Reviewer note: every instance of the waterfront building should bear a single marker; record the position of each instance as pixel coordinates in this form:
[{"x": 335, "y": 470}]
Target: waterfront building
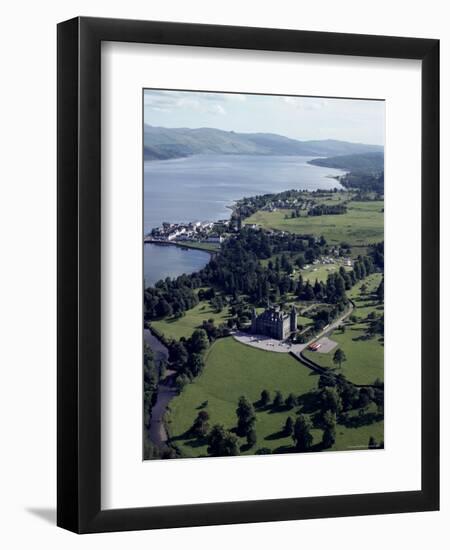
[{"x": 214, "y": 239}]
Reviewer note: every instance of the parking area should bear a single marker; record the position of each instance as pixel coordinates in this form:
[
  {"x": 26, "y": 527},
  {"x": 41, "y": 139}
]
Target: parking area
[
  {"x": 326, "y": 344},
  {"x": 267, "y": 344},
  {"x": 271, "y": 344}
]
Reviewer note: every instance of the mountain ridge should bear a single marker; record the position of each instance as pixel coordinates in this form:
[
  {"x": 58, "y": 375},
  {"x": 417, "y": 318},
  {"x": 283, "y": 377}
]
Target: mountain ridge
[
  {"x": 370, "y": 162},
  {"x": 162, "y": 143}
]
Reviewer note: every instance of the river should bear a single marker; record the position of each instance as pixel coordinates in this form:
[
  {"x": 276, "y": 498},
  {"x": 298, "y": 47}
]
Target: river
[{"x": 166, "y": 392}]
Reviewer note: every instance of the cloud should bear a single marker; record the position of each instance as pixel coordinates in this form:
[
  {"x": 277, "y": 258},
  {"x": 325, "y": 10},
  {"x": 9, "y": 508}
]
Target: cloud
[
  {"x": 166, "y": 101},
  {"x": 306, "y": 103},
  {"x": 235, "y": 97},
  {"x": 217, "y": 110}
]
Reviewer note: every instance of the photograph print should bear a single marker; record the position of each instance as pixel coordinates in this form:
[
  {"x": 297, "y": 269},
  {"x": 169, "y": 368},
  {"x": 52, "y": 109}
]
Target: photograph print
[{"x": 263, "y": 269}]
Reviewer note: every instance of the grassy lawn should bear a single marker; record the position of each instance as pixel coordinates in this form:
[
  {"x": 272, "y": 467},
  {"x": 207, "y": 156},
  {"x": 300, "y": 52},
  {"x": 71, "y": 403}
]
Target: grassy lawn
[
  {"x": 210, "y": 247},
  {"x": 348, "y": 438},
  {"x": 320, "y": 272},
  {"x": 366, "y": 303},
  {"x": 362, "y": 224},
  {"x": 233, "y": 369},
  {"x": 365, "y": 357},
  {"x": 304, "y": 321},
  {"x": 334, "y": 198},
  {"x": 185, "y": 326}
]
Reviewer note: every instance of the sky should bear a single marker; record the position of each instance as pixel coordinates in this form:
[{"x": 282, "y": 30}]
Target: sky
[{"x": 302, "y": 118}]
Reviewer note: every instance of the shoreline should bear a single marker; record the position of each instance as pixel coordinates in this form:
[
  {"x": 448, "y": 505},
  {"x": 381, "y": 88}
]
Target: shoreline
[
  {"x": 234, "y": 201},
  {"x": 213, "y": 248},
  {"x": 186, "y": 245}
]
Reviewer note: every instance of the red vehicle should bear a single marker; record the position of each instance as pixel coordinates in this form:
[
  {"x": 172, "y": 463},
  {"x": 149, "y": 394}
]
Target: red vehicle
[{"x": 314, "y": 347}]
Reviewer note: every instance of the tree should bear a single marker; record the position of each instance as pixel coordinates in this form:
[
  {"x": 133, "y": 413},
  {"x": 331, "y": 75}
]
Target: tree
[
  {"x": 181, "y": 381},
  {"x": 290, "y": 401},
  {"x": 339, "y": 288},
  {"x": 178, "y": 354},
  {"x": 329, "y": 429},
  {"x": 163, "y": 309},
  {"x": 328, "y": 437},
  {"x": 196, "y": 364},
  {"x": 339, "y": 357},
  {"x": 310, "y": 255},
  {"x": 200, "y": 426},
  {"x": 277, "y": 264},
  {"x": 302, "y": 433},
  {"x": 151, "y": 380},
  {"x": 372, "y": 443},
  {"x": 251, "y": 438},
  {"x": 329, "y": 419},
  {"x": 288, "y": 426},
  {"x": 217, "y": 304},
  {"x": 349, "y": 396},
  {"x": 366, "y": 395},
  {"x": 378, "y": 399},
  {"x": 378, "y": 383},
  {"x": 265, "y": 398},
  {"x": 376, "y": 326},
  {"x": 246, "y": 416},
  {"x": 300, "y": 261},
  {"x": 331, "y": 400},
  {"x": 308, "y": 292},
  {"x": 278, "y": 400},
  {"x": 325, "y": 380},
  {"x": 221, "y": 442},
  {"x": 198, "y": 342},
  {"x": 363, "y": 289},
  {"x": 380, "y": 292}
]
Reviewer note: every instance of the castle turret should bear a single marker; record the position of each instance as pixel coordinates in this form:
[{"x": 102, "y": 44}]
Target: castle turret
[{"x": 293, "y": 319}]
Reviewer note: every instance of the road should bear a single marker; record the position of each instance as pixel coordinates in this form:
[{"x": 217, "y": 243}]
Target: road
[
  {"x": 323, "y": 370},
  {"x": 335, "y": 324}
]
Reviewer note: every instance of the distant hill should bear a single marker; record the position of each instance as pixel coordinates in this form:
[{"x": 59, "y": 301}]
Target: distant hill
[
  {"x": 356, "y": 163},
  {"x": 165, "y": 143}
]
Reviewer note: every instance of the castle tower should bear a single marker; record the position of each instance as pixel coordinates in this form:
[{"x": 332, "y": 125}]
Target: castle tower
[
  {"x": 293, "y": 319},
  {"x": 280, "y": 335}
]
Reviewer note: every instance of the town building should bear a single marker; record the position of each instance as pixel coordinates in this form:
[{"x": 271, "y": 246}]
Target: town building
[
  {"x": 214, "y": 239},
  {"x": 274, "y": 322}
]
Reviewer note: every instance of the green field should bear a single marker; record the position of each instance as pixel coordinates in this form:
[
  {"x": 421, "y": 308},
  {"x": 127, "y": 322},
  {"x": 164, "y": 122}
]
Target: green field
[
  {"x": 304, "y": 321},
  {"x": 193, "y": 318},
  {"x": 366, "y": 303},
  {"x": 365, "y": 357},
  {"x": 319, "y": 272},
  {"x": 233, "y": 369},
  {"x": 209, "y": 247},
  {"x": 334, "y": 198},
  {"x": 362, "y": 224}
]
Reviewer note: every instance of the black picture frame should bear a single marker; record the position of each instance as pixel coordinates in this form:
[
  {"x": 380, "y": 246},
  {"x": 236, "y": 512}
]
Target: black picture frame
[{"x": 79, "y": 281}]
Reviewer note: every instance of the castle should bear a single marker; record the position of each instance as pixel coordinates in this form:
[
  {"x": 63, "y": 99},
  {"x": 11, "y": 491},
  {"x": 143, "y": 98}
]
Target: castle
[{"x": 274, "y": 323}]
